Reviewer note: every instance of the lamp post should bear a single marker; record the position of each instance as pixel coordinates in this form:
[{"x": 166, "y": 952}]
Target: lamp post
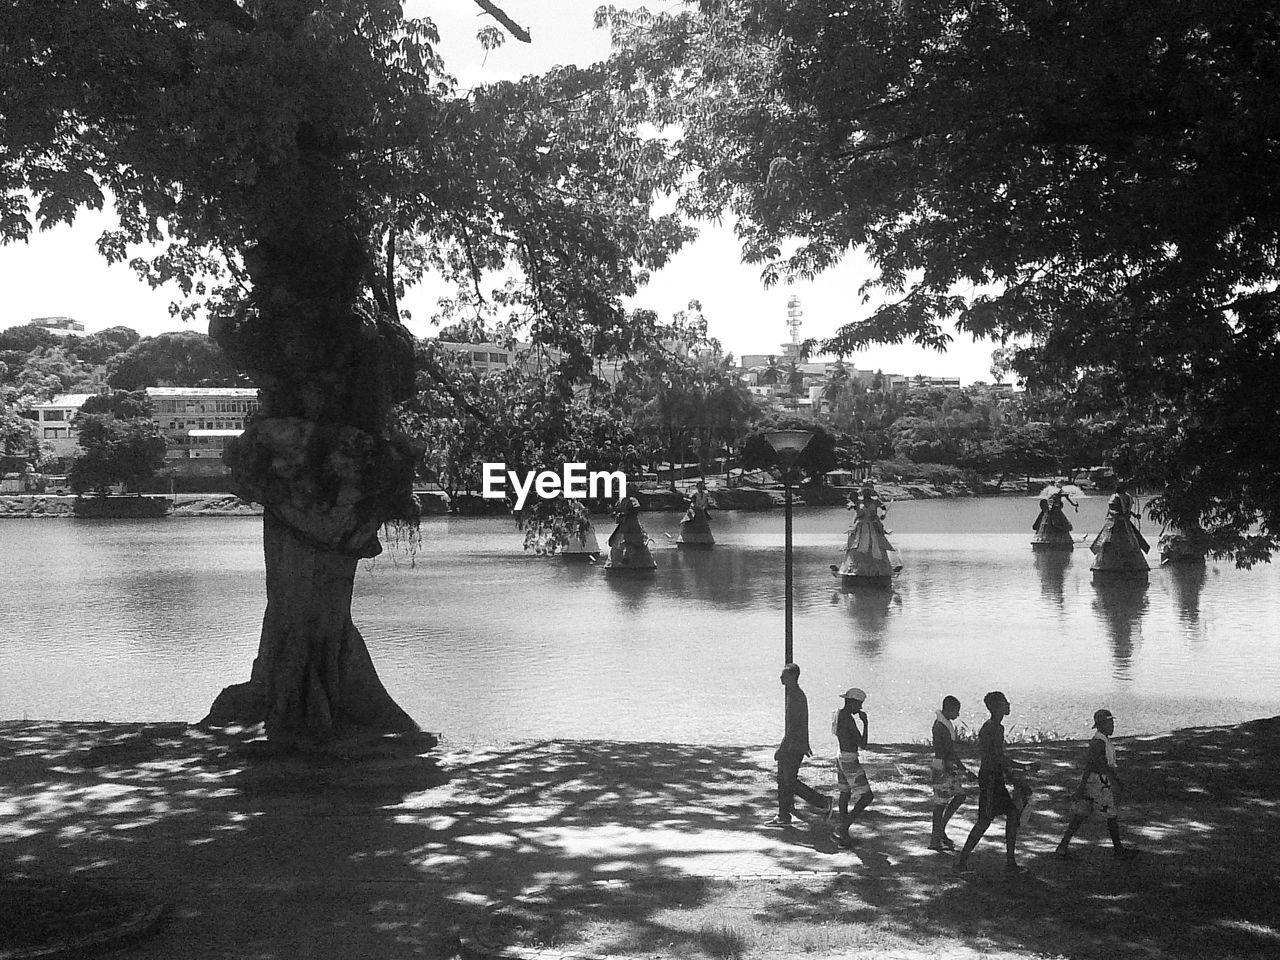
[{"x": 787, "y": 444}]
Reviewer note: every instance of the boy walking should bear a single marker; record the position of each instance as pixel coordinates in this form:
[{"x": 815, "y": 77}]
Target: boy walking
[
  {"x": 1097, "y": 790},
  {"x": 946, "y": 774},
  {"x": 850, "y": 777},
  {"x": 792, "y": 751},
  {"x": 993, "y": 793}
]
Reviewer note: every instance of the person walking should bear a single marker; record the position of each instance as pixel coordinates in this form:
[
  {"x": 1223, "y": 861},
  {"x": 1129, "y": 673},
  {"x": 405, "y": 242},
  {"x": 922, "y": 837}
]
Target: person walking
[
  {"x": 993, "y": 793},
  {"x": 946, "y": 774},
  {"x": 792, "y": 751},
  {"x": 850, "y": 777},
  {"x": 1098, "y": 787}
]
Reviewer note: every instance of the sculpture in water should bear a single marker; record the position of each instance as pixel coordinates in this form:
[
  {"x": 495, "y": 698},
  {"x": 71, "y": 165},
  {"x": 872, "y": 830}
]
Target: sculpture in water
[
  {"x": 1052, "y": 528},
  {"x": 1119, "y": 548},
  {"x": 629, "y": 544},
  {"x": 869, "y": 557},
  {"x": 695, "y": 526}
]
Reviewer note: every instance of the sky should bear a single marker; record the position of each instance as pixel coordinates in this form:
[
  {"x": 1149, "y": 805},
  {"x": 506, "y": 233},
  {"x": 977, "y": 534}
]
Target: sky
[{"x": 59, "y": 272}]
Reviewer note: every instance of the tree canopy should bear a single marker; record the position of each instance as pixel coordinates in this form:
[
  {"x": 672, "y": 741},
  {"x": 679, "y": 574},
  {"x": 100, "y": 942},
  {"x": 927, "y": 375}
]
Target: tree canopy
[
  {"x": 1095, "y": 182},
  {"x": 300, "y": 162}
]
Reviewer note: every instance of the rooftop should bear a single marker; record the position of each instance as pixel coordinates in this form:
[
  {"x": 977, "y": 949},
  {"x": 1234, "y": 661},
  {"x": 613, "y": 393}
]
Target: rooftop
[
  {"x": 65, "y": 400},
  {"x": 202, "y": 391}
]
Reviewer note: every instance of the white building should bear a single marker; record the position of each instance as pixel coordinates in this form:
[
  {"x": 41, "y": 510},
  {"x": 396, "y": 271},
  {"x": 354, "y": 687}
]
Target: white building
[
  {"x": 53, "y": 423},
  {"x": 197, "y": 421}
]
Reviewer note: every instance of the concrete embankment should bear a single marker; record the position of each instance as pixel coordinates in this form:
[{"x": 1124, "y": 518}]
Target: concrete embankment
[{"x": 36, "y": 506}]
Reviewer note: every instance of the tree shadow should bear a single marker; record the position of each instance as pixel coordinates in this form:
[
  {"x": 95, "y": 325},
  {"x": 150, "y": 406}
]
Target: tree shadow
[{"x": 257, "y": 852}]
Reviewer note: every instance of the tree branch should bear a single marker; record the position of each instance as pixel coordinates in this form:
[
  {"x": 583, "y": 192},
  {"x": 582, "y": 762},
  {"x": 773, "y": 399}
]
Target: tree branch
[{"x": 517, "y": 31}]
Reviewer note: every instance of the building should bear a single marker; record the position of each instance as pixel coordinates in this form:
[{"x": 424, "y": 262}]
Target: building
[
  {"x": 54, "y": 423},
  {"x": 62, "y": 326},
  {"x": 196, "y": 423},
  {"x": 489, "y": 358}
]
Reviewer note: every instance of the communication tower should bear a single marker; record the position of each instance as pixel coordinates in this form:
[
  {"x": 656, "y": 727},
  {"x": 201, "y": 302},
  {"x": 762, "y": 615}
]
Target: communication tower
[{"x": 795, "y": 317}]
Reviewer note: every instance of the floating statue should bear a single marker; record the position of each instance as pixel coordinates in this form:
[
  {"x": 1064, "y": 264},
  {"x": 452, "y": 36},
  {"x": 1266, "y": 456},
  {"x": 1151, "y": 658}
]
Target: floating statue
[
  {"x": 869, "y": 557},
  {"x": 1052, "y": 528},
  {"x": 695, "y": 526},
  {"x": 561, "y": 528},
  {"x": 629, "y": 544},
  {"x": 1119, "y": 548}
]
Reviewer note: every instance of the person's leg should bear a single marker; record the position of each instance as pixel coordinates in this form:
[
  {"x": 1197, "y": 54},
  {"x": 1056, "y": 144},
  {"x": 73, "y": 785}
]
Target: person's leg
[
  {"x": 971, "y": 841},
  {"x": 1011, "y": 838},
  {"x": 939, "y": 821},
  {"x": 950, "y": 812},
  {"x": 841, "y": 833},
  {"x": 1119, "y": 850},
  {"x": 788, "y": 767},
  {"x": 808, "y": 794},
  {"x": 942, "y": 814},
  {"x": 862, "y": 803},
  {"x": 1077, "y": 821}
]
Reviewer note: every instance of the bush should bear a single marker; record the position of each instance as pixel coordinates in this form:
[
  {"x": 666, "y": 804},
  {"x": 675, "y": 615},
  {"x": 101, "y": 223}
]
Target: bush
[{"x": 938, "y": 474}]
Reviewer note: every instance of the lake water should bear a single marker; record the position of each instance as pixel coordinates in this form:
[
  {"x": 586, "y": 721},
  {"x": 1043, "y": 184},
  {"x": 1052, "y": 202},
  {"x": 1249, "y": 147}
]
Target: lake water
[{"x": 148, "y": 620}]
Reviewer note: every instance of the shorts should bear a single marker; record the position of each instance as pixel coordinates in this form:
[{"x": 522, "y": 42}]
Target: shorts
[
  {"x": 947, "y": 785},
  {"x": 1099, "y": 797},
  {"x": 993, "y": 796},
  {"x": 850, "y": 777}
]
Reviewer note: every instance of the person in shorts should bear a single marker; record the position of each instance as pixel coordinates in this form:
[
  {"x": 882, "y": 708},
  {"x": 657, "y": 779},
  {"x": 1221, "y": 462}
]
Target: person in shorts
[
  {"x": 1096, "y": 793},
  {"x": 946, "y": 775},
  {"x": 851, "y": 779},
  {"x": 993, "y": 792}
]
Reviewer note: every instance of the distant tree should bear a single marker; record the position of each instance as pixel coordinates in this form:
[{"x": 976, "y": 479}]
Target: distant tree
[
  {"x": 101, "y": 346},
  {"x": 1002, "y": 362},
  {"x": 121, "y": 404},
  {"x": 18, "y": 436},
  {"x": 49, "y": 371},
  {"x": 25, "y": 338},
  {"x": 185, "y": 358},
  {"x": 818, "y": 456},
  {"x": 129, "y": 452},
  {"x": 771, "y": 374}
]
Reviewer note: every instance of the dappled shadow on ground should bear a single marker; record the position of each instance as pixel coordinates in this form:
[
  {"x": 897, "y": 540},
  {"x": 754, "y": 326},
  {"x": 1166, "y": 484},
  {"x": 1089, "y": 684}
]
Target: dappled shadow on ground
[{"x": 273, "y": 856}]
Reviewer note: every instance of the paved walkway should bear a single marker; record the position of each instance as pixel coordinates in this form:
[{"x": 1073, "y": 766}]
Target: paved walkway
[{"x": 260, "y": 857}]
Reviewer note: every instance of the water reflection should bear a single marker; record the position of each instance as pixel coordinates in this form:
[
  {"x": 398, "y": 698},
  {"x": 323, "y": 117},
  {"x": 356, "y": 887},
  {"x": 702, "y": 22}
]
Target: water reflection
[
  {"x": 633, "y": 592},
  {"x": 721, "y": 575},
  {"x": 870, "y": 609},
  {"x": 1121, "y": 604},
  {"x": 1186, "y": 581},
  {"x": 1051, "y": 566}
]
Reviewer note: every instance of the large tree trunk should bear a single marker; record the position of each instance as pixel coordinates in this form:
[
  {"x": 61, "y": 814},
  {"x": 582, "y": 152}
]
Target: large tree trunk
[{"x": 323, "y": 460}]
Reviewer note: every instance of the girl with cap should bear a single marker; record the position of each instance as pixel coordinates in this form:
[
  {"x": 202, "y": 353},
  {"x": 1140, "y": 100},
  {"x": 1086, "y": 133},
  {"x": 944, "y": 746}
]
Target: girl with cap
[
  {"x": 1097, "y": 790},
  {"x": 851, "y": 779}
]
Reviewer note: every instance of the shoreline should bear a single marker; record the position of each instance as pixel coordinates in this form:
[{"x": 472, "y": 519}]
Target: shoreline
[
  {"x": 448, "y": 743},
  {"x": 33, "y": 506}
]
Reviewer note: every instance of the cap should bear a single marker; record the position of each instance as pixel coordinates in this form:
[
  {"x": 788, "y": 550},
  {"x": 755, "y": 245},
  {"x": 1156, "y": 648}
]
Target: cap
[
  {"x": 1100, "y": 715},
  {"x": 855, "y": 693}
]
